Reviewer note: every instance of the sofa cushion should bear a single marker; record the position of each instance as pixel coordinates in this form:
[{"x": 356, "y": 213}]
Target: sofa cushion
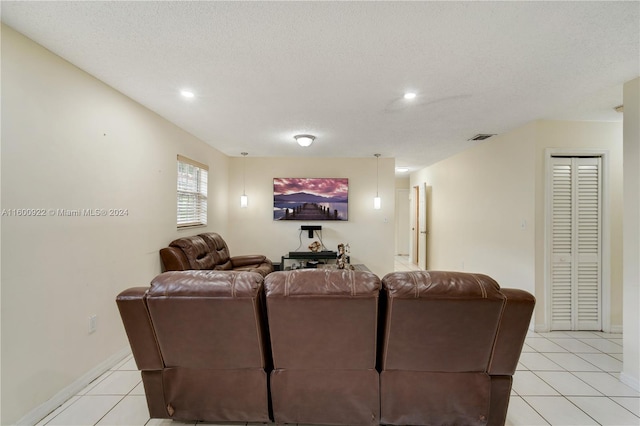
[
  {"x": 323, "y": 319},
  {"x": 197, "y": 252},
  {"x": 440, "y": 321},
  {"x": 218, "y": 246},
  {"x": 208, "y": 319}
]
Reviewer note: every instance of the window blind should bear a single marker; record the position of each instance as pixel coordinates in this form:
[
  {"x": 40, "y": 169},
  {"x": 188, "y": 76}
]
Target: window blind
[{"x": 192, "y": 192}]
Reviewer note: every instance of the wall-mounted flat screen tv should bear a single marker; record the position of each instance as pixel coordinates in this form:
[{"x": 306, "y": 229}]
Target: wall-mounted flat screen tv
[{"x": 310, "y": 199}]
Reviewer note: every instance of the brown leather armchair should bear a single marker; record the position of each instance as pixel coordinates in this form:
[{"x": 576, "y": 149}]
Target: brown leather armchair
[
  {"x": 323, "y": 335},
  {"x": 451, "y": 343},
  {"x": 210, "y": 251},
  {"x": 200, "y": 341}
]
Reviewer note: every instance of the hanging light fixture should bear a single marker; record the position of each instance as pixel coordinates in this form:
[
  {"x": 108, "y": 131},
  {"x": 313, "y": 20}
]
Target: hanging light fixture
[
  {"x": 377, "y": 204},
  {"x": 244, "y": 200},
  {"x": 304, "y": 140}
]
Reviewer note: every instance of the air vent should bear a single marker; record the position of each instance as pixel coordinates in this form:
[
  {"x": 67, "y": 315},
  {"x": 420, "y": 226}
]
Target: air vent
[{"x": 481, "y": 137}]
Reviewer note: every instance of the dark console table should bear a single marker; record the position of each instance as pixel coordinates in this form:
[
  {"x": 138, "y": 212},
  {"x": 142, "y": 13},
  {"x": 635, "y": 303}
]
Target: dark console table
[{"x": 309, "y": 259}]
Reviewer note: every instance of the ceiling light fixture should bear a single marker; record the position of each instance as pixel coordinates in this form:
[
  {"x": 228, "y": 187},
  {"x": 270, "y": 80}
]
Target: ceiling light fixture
[
  {"x": 376, "y": 201},
  {"x": 410, "y": 95},
  {"x": 402, "y": 169},
  {"x": 244, "y": 200},
  {"x": 187, "y": 94},
  {"x": 304, "y": 140}
]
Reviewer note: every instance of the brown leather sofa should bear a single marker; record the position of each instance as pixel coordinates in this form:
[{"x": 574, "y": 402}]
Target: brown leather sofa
[
  {"x": 210, "y": 251},
  {"x": 450, "y": 346},
  {"x": 327, "y": 346},
  {"x": 323, "y": 335},
  {"x": 200, "y": 340}
]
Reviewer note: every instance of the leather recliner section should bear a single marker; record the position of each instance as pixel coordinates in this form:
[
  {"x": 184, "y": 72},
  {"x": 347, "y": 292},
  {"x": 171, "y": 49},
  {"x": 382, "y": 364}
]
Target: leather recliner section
[
  {"x": 451, "y": 342},
  {"x": 200, "y": 340},
  {"x": 323, "y": 328},
  {"x": 209, "y": 251}
]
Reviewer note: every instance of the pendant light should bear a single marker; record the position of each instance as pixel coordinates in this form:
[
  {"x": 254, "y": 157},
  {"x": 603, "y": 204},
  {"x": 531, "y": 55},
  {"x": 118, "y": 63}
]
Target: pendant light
[
  {"x": 244, "y": 200},
  {"x": 377, "y": 204}
]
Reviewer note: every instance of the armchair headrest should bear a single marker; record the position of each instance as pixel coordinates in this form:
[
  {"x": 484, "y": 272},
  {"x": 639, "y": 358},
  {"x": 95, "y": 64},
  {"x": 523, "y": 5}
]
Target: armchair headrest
[
  {"x": 236, "y": 284},
  {"x": 441, "y": 285},
  {"x": 322, "y": 282}
]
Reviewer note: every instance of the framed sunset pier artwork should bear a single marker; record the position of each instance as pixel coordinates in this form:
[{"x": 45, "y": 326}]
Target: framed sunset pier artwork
[{"x": 310, "y": 199}]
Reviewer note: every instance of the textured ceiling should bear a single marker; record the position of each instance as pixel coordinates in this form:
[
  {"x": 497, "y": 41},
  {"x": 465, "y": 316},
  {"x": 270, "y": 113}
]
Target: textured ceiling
[{"x": 264, "y": 71}]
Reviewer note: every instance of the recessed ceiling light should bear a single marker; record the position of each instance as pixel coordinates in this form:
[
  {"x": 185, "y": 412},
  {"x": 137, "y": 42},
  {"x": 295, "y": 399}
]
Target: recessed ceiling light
[
  {"x": 187, "y": 94},
  {"x": 409, "y": 95},
  {"x": 402, "y": 169}
]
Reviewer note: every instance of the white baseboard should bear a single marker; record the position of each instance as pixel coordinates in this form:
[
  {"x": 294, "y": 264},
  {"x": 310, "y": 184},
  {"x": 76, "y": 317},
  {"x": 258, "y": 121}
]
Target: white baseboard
[
  {"x": 630, "y": 381},
  {"x": 43, "y": 410},
  {"x": 616, "y": 329},
  {"x": 541, "y": 328}
]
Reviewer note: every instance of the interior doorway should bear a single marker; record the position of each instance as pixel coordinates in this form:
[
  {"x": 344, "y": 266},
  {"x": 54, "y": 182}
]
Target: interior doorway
[
  {"x": 415, "y": 228},
  {"x": 403, "y": 222},
  {"x": 419, "y": 226}
]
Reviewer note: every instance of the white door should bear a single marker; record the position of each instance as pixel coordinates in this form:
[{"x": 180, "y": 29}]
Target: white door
[
  {"x": 422, "y": 226},
  {"x": 576, "y": 240}
]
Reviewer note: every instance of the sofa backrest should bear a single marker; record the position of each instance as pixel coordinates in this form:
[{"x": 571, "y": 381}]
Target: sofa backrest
[
  {"x": 203, "y": 251},
  {"x": 208, "y": 319},
  {"x": 323, "y": 319},
  {"x": 440, "y": 321},
  {"x": 219, "y": 248}
]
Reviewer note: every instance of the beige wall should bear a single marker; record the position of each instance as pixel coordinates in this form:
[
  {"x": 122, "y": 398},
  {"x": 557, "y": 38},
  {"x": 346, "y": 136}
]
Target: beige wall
[
  {"x": 477, "y": 202},
  {"x": 487, "y": 206},
  {"x": 631, "y": 343},
  {"x": 71, "y": 142},
  {"x": 369, "y": 232},
  {"x": 403, "y": 183}
]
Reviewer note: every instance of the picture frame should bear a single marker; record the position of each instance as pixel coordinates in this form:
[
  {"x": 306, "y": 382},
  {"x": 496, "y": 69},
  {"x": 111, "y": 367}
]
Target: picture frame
[{"x": 311, "y": 199}]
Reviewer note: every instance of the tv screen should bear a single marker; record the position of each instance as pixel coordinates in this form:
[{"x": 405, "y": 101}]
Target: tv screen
[{"x": 310, "y": 199}]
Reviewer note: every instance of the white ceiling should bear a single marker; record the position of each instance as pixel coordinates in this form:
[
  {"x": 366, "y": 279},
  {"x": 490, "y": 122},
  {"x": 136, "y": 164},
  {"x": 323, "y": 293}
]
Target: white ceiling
[{"x": 265, "y": 71}]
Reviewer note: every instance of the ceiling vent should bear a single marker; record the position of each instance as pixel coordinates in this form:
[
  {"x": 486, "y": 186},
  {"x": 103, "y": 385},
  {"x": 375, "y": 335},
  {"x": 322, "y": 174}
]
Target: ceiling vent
[{"x": 481, "y": 137}]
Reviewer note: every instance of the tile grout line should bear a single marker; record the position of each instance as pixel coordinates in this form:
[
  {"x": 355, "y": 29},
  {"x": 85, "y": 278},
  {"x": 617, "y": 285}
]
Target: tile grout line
[{"x": 561, "y": 394}]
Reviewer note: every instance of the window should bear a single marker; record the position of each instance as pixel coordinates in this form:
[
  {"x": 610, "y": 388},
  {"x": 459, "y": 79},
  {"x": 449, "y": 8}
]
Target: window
[{"x": 192, "y": 192}]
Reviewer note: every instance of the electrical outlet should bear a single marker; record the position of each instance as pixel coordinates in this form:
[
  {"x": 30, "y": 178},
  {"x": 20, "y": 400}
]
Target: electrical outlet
[{"x": 93, "y": 323}]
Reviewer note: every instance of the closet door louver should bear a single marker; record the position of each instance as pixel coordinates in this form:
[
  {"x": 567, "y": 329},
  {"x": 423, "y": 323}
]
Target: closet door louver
[{"x": 576, "y": 244}]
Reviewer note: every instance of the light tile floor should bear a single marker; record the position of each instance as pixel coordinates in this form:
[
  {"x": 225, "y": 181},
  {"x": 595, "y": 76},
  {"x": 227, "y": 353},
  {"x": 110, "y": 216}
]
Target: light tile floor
[
  {"x": 402, "y": 263},
  {"x": 563, "y": 378}
]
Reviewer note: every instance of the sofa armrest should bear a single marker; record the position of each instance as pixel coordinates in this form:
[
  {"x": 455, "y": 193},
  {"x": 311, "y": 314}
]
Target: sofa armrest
[
  {"x": 514, "y": 324},
  {"x": 248, "y": 260},
  {"x": 174, "y": 259},
  {"x": 137, "y": 324}
]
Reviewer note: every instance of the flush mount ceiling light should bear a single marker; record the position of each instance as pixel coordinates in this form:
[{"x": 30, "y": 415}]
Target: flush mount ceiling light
[
  {"x": 304, "y": 140},
  {"x": 410, "y": 95},
  {"x": 187, "y": 94},
  {"x": 402, "y": 169}
]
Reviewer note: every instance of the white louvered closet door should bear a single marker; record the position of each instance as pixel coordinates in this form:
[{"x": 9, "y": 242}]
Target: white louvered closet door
[{"x": 576, "y": 243}]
